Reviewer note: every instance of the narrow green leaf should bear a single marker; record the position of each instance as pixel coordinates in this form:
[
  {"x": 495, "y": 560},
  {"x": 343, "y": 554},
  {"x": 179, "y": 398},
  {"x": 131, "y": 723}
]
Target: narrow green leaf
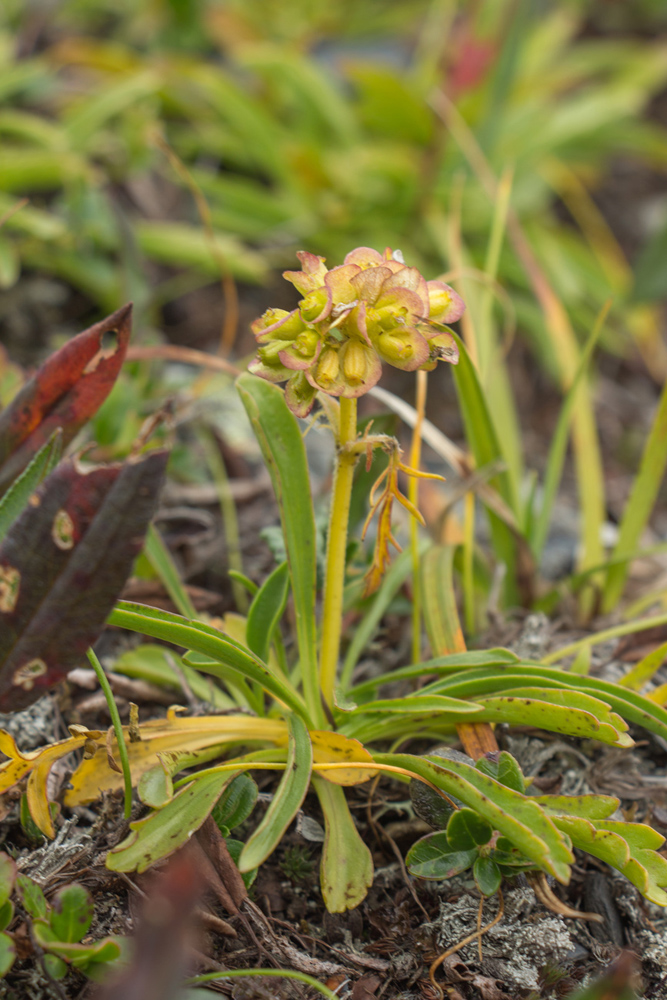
[
  {"x": 18, "y": 494},
  {"x": 278, "y": 434},
  {"x": 643, "y": 671},
  {"x": 585, "y": 806},
  {"x": 164, "y": 831},
  {"x": 450, "y": 663},
  {"x": 207, "y": 640},
  {"x": 160, "y": 559},
  {"x": 642, "y": 499},
  {"x": 417, "y": 705},
  {"x": 287, "y": 799},
  {"x": 558, "y": 449},
  {"x": 483, "y": 442},
  {"x": 266, "y": 611},
  {"x": 441, "y": 616},
  {"x": 434, "y": 857},
  {"x": 519, "y": 710},
  {"x": 160, "y": 666}
]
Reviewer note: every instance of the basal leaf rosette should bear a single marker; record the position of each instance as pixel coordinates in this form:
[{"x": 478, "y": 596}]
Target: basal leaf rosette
[{"x": 370, "y": 309}]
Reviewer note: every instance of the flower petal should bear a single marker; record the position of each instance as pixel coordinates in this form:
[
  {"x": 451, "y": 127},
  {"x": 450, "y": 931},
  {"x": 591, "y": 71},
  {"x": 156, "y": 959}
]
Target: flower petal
[
  {"x": 300, "y": 395},
  {"x": 364, "y": 257},
  {"x": 368, "y": 284},
  {"x": 409, "y": 277},
  {"x": 401, "y": 304},
  {"x": 446, "y": 306},
  {"x": 302, "y": 353},
  {"x": 339, "y": 283},
  {"x": 289, "y": 324},
  {"x": 310, "y": 276},
  {"x": 361, "y": 368},
  {"x": 272, "y": 373}
]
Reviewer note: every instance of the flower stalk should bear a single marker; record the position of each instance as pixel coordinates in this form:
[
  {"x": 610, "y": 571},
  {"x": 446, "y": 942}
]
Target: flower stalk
[{"x": 334, "y": 582}]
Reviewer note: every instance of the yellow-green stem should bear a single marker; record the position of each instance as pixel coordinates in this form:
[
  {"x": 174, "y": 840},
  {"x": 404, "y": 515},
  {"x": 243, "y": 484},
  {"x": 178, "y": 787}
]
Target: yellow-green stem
[
  {"x": 413, "y": 497},
  {"x": 336, "y": 545}
]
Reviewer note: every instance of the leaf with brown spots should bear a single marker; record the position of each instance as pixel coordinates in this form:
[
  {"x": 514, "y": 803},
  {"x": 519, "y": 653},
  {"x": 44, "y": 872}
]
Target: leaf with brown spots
[
  {"x": 62, "y": 565},
  {"x": 65, "y": 392}
]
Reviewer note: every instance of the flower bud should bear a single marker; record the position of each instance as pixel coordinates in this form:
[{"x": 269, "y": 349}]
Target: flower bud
[
  {"x": 328, "y": 367},
  {"x": 269, "y": 352},
  {"x": 355, "y": 362},
  {"x": 306, "y": 343},
  {"x": 314, "y": 305},
  {"x": 396, "y": 347},
  {"x": 272, "y": 321}
]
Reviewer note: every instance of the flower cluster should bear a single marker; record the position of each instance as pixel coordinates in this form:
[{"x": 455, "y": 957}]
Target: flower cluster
[{"x": 370, "y": 309}]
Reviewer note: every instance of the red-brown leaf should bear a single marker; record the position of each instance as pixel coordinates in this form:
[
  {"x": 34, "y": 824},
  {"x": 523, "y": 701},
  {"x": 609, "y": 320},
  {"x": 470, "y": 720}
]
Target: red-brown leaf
[
  {"x": 65, "y": 392},
  {"x": 63, "y": 564}
]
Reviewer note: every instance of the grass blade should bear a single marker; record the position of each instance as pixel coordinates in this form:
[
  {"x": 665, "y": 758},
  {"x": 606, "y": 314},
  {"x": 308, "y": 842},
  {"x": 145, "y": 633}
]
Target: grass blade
[
  {"x": 18, "y": 494},
  {"x": 160, "y": 559}
]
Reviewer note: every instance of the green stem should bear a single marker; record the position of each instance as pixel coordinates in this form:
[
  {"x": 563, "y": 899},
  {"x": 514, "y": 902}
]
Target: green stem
[
  {"x": 117, "y": 728},
  {"x": 336, "y": 547},
  {"x": 301, "y": 977},
  {"x": 413, "y": 496}
]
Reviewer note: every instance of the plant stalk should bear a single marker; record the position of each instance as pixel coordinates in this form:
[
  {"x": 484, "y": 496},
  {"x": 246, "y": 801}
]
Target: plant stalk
[
  {"x": 413, "y": 496},
  {"x": 334, "y": 581},
  {"x": 117, "y": 728}
]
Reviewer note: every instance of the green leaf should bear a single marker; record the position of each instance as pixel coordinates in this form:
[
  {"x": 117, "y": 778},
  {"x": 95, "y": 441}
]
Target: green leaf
[
  {"x": 287, "y": 799},
  {"x": 433, "y": 857},
  {"x": 155, "y": 787},
  {"x": 441, "y": 616},
  {"x": 520, "y": 710},
  {"x": 643, "y": 671},
  {"x": 236, "y": 802},
  {"x": 452, "y": 663},
  {"x": 487, "y": 876},
  {"x": 6, "y": 914},
  {"x": 55, "y": 966},
  {"x": 72, "y": 912},
  {"x": 7, "y": 877},
  {"x": 515, "y": 816},
  {"x": 466, "y": 830},
  {"x": 503, "y": 768},
  {"x": 32, "y": 897},
  {"x": 277, "y": 432},
  {"x": 585, "y": 806},
  {"x": 160, "y": 559},
  {"x": 18, "y": 494},
  {"x": 266, "y": 611},
  {"x": 640, "y": 504},
  {"x": 206, "y": 640},
  {"x": 7, "y": 954},
  {"x": 483, "y": 441},
  {"x": 417, "y": 704},
  {"x": 163, "y": 832},
  {"x": 346, "y": 871},
  {"x": 155, "y": 664}
]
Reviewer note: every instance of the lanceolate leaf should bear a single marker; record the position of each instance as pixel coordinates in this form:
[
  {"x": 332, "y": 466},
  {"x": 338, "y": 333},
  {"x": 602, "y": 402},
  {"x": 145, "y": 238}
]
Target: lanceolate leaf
[
  {"x": 62, "y": 564},
  {"x": 65, "y": 392},
  {"x": 266, "y": 611},
  {"x": 163, "y": 832},
  {"x": 277, "y": 432},
  {"x": 18, "y": 494},
  {"x": 346, "y": 871},
  {"x": 286, "y": 801},
  {"x": 209, "y": 641}
]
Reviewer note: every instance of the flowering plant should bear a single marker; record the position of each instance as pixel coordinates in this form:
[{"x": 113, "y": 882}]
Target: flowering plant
[{"x": 370, "y": 309}]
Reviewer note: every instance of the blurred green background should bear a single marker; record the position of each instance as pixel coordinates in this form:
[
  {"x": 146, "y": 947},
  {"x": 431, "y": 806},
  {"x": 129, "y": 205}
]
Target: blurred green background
[{"x": 312, "y": 124}]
